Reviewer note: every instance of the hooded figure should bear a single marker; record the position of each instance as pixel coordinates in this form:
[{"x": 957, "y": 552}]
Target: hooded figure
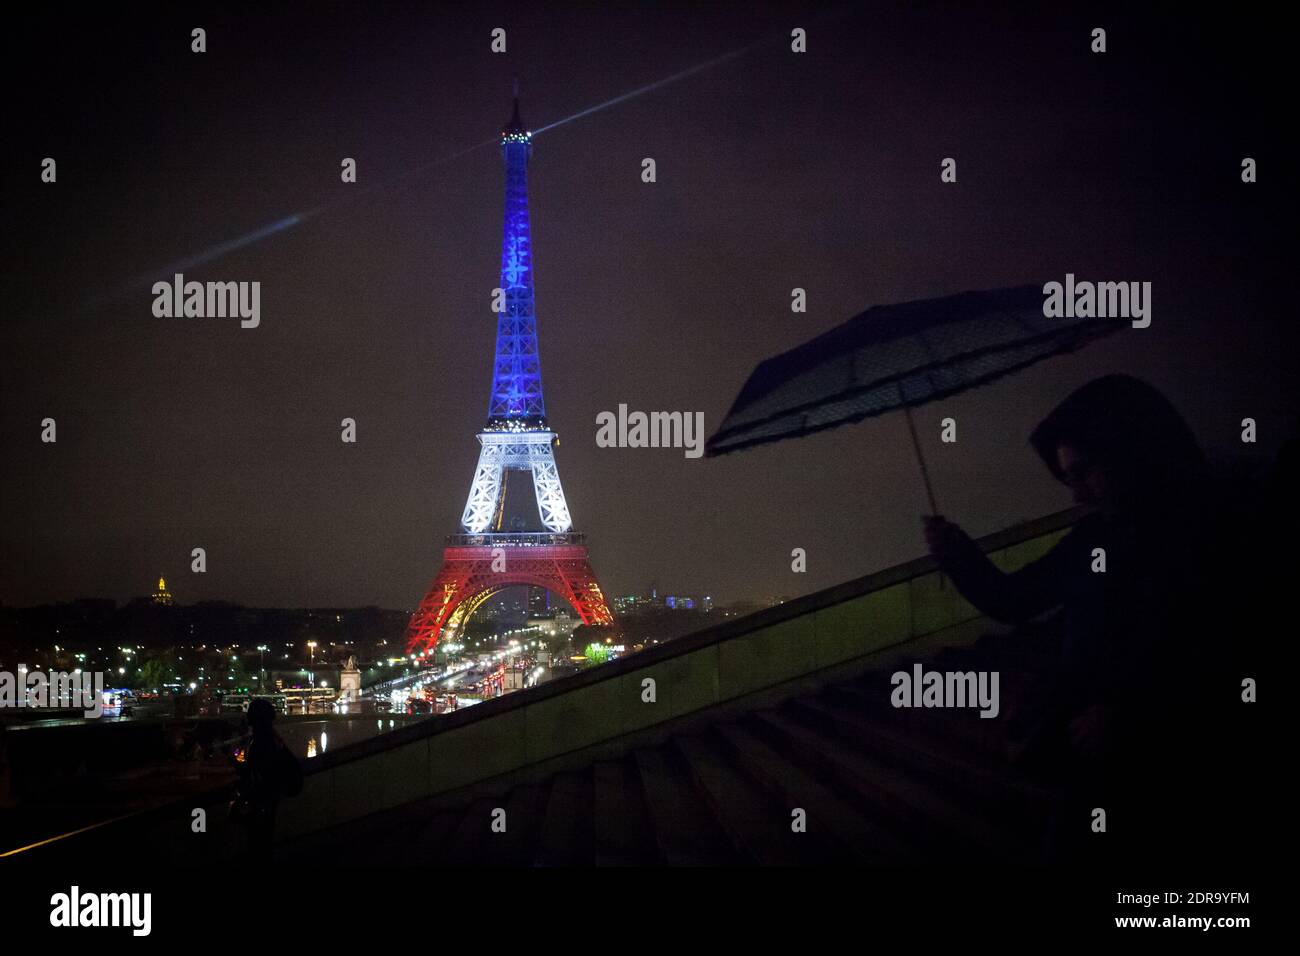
[
  {"x": 1119, "y": 444},
  {"x": 1135, "y": 582},
  {"x": 267, "y": 773}
]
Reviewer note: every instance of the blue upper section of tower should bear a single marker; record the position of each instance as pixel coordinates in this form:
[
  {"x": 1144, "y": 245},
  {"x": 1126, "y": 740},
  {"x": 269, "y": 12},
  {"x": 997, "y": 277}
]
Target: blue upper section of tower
[{"x": 516, "y": 401}]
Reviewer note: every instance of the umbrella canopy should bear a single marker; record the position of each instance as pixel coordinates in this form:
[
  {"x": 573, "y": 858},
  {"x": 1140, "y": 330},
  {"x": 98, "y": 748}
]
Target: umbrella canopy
[{"x": 899, "y": 356}]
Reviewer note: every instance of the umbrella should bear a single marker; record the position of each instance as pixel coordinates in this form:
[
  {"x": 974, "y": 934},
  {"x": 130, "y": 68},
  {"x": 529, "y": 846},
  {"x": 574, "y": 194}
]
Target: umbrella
[{"x": 899, "y": 356}]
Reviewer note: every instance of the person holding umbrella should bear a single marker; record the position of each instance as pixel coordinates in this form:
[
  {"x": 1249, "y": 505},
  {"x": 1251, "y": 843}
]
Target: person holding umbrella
[
  {"x": 1151, "y": 587},
  {"x": 1134, "y": 692}
]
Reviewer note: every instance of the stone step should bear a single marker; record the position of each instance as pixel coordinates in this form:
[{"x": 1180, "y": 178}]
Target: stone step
[
  {"x": 869, "y": 839},
  {"x": 567, "y": 834},
  {"x": 759, "y": 828},
  {"x": 685, "y": 831}
]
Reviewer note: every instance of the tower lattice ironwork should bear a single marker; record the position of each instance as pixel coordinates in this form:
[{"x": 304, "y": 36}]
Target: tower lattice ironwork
[{"x": 484, "y": 559}]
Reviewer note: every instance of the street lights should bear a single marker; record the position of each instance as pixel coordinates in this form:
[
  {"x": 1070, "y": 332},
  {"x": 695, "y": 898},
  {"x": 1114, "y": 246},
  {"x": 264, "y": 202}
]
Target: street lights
[
  {"x": 261, "y": 667},
  {"x": 311, "y": 647}
]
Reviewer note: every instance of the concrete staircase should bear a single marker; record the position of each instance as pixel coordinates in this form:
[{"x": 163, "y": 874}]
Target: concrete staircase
[{"x": 878, "y": 785}]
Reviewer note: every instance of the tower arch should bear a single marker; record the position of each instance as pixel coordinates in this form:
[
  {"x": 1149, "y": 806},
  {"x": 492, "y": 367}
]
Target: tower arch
[{"x": 467, "y": 579}]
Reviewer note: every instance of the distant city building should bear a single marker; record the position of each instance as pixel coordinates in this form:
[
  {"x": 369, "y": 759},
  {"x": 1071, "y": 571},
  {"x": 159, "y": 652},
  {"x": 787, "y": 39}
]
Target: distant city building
[
  {"x": 560, "y": 624},
  {"x": 162, "y": 595},
  {"x": 655, "y": 601},
  {"x": 628, "y": 602},
  {"x": 539, "y": 601},
  {"x": 509, "y": 608},
  {"x": 350, "y": 681}
]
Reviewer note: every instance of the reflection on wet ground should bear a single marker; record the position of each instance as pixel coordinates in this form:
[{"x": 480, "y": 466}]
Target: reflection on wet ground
[{"x": 311, "y": 738}]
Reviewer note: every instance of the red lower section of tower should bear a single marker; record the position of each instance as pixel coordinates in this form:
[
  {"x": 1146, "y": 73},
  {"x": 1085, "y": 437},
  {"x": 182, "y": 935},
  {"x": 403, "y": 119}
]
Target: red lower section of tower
[{"x": 470, "y": 575}]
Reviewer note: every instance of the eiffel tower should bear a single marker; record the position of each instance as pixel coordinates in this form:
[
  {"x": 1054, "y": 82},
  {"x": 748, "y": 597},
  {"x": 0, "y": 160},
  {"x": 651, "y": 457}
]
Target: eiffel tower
[{"x": 485, "y": 559}]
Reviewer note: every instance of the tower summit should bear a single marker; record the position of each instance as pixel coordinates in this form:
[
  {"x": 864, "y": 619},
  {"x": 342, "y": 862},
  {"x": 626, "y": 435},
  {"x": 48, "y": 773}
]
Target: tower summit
[
  {"x": 516, "y": 401},
  {"x": 485, "y": 559},
  {"x": 516, "y": 436}
]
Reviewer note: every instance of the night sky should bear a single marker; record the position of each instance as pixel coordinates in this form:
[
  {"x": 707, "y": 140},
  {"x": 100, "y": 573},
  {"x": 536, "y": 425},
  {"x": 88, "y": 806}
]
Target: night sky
[{"x": 775, "y": 170}]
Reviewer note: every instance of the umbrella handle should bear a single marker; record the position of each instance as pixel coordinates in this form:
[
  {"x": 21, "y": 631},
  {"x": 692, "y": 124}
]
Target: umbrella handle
[{"x": 925, "y": 472}]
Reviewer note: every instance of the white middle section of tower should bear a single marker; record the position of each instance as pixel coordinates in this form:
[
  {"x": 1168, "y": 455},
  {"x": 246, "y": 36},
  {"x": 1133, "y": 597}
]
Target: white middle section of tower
[{"x": 524, "y": 451}]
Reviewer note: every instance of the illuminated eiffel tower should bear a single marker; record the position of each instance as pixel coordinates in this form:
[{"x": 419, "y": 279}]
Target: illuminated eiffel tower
[{"x": 484, "y": 559}]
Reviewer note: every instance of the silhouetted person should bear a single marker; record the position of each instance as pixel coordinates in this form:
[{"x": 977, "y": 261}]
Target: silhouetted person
[
  {"x": 1143, "y": 683},
  {"x": 269, "y": 771}
]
